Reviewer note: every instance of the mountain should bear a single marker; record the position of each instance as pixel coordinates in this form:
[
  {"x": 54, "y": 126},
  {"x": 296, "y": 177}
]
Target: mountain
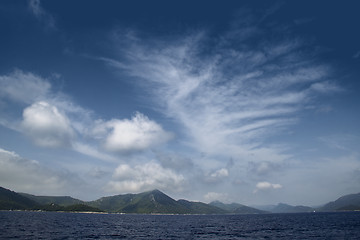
[
  {"x": 285, "y": 208},
  {"x": 236, "y": 208},
  {"x": 156, "y": 202},
  {"x": 151, "y": 202},
  {"x": 201, "y": 208},
  {"x": 59, "y": 200},
  {"x": 71, "y": 208},
  {"x": 348, "y": 202},
  {"x": 146, "y": 202},
  {"x": 10, "y": 200}
]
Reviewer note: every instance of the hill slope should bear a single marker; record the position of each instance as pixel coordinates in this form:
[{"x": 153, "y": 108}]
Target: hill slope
[
  {"x": 285, "y": 208},
  {"x": 59, "y": 200},
  {"x": 348, "y": 202},
  {"x": 146, "y": 202},
  {"x": 10, "y": 200},
  {"x": 236, "y": 208},
  {"x": 152, "y": 202}
]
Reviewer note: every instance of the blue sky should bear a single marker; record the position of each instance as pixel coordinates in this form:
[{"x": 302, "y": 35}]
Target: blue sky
[{"x": 253, "y": 102}]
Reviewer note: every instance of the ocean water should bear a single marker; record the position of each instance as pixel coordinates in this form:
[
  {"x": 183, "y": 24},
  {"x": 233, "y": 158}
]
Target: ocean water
[{"x": 56, "y": 225}]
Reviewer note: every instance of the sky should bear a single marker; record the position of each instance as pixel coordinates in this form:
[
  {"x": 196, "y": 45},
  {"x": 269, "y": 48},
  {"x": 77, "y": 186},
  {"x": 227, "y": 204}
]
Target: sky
[{"x": 254, "y": 102}]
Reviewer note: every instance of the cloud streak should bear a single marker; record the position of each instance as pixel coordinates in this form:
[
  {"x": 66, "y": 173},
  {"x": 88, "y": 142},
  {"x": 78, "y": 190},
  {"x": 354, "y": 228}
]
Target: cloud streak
[
  {"x": 41, "y": 14},
  {"x": 229, "y": 97}
]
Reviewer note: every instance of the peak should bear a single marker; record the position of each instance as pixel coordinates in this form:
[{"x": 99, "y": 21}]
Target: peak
[{"x": 156, "y": 191}]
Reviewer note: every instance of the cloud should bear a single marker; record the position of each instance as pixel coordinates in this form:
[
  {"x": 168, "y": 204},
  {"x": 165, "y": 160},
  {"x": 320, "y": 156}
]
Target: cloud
[
  {"x": 261, "y": 186},
  {"x": 137, "y": 134},
  {"x": 220, "y": 173},
  {"x": 41, "y": 14},
  {"x": 23, "y": 87},
  {"x": 53, "y": 119},
  {"x": 144, "y": 177},
  {"x": 264, "y": 167},
  {"x": 215, "y": 196},
  {"x": 47, "y": 126},
  {"x": 29, "y": 176},
  {"x": 231, "y": 96},
  {"x": 326, "y": 87},
  {"x": 356, "y": 55},
  {"x": 93, "y": 152},
  {"x": 174, "y": 161}
]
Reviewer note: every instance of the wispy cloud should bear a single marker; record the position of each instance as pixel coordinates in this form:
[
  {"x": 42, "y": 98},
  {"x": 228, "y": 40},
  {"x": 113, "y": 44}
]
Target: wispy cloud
[
  {"x": 41, "y": 14},
  {"x": 357, "y": 54},
  {"x": 23, "y": 87},
  {"x": 231, "y": 96}
]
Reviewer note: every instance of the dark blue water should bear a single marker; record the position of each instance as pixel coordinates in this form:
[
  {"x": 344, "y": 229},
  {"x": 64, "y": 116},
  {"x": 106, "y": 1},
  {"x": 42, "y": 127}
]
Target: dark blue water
[{"x": 47, "y": 225}]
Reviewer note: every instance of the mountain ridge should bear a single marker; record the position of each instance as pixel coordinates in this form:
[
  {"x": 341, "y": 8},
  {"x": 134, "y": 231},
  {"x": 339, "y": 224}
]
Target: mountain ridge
[{"x": 157, "y": 202}]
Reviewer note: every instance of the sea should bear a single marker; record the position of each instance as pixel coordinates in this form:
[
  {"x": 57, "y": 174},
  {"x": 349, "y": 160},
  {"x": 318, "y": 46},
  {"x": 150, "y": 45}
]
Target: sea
[{"x": 62, "y": 225}]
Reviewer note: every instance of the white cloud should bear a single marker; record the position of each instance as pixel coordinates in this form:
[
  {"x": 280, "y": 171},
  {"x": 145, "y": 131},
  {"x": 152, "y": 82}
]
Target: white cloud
[
  {"x": 136, "y": 134},
  {"x": 260, "y": 186},
  {"x": 144, "y": 177},
  {"x": 230, "y": 100},
  {"x": 93, "y": 152},
  {"x": 215, "y": 196},
  {"x": 46, "y": 125},
  {"x": 223, "y": 172},
  {"x": 23, "y": 87},
  {"x": 29, "y": 176}
]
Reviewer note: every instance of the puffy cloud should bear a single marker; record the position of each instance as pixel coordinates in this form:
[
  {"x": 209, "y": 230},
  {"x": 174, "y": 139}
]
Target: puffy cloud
[
  {"x": 223, "y": 172},
  {"x": 136, "y": 134},
  {"x": 217, "y": 175},
  {"x": 29, "y": 176},
  {"x": 23, "y": 87},
  {"x": 266, "y": 186},
  {"x": 144, "y": 177},
  {"x": 46, "y": 125}
]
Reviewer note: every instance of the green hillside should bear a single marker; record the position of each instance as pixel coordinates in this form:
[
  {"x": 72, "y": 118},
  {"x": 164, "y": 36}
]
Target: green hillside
[
  {"x": 10, "y": 200},
  {"x": 236, "y": 208},
  {"x": 147, "y": 202},
  {"x": 59, "y": 200},
  {"x": 347, "y": 202},
  {"x": 201, "y": 208}
]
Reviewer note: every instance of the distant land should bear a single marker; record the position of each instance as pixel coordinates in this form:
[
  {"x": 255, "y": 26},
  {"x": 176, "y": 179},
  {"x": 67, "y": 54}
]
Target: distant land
[{"x": 156, "y": 202}]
